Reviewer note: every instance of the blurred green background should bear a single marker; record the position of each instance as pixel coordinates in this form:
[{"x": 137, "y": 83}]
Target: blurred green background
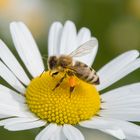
[{"x": 116, "y": 24}]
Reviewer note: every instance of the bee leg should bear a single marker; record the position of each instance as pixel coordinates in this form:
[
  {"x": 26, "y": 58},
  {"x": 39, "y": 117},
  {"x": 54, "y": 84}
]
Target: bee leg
[
  {"x": 60, "y": 81},
  {"x": 71, "y": 90},
  {"x": 72, "y": 84},
  {"x": 54, "y": 74}
]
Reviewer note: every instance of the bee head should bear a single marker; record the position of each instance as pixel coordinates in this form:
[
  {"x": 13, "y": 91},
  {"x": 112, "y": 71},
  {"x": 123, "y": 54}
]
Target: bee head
[{"x": 52, "y": 62}]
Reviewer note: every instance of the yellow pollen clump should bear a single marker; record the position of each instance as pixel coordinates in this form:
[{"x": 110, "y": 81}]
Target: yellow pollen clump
[{"x": 59, "y": 106}]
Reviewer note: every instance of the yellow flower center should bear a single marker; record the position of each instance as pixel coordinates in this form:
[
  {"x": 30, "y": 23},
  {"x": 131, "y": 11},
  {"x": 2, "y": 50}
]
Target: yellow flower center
[{"x": 59, "y": 106}]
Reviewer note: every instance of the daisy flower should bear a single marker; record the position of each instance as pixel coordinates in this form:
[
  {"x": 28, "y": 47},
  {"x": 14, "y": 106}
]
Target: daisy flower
[{"x": 31, "y": 103}]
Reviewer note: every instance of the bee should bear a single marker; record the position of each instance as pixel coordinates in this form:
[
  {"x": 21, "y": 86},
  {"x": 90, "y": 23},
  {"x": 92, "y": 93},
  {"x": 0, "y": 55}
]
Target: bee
[{"x": 71, "y": 68}]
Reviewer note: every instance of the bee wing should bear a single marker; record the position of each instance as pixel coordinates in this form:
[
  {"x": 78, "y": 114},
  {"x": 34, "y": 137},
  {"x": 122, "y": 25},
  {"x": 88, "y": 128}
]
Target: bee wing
[{"x": 84, "y": 49}]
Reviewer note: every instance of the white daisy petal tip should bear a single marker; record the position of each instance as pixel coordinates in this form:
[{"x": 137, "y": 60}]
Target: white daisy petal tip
[
  {"x": 69, "y": 25},
  {"x": 95, "y": 44},
  {"x": 25, "y": 44},
  {"x": 69, "y": 22},
  {"x": 136, "y": 52},
  {"x": 68, "y": 38},
  {"x": 54, "y": 38},
  {"x": 83, "y": 36},
  {"x": 54, "y": 26},
  {"x": 118, "y": 133}
]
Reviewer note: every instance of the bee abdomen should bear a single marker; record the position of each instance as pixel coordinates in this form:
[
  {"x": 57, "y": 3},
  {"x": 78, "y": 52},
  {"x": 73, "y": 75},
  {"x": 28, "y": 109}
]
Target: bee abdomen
[
  {"x": 93, "y": 78},
  {"x": 79, "y": 64},
  {"x": 85, "y": 73}
]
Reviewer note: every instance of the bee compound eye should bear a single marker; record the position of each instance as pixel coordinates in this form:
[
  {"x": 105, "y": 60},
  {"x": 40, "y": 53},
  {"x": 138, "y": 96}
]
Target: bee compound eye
[{"x": 52, "y": 62}]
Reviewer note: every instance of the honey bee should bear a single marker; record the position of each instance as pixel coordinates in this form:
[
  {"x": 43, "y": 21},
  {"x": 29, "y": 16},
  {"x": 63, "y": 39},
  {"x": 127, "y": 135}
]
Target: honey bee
[{"x": 71, "y": 68}]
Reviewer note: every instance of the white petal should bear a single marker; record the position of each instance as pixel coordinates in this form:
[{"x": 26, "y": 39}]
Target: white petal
[
  {"x": 12, "y": 121},
  {"x": 12, "y": 104},
  {"x": 54, "y": 38},
  {"x": 130, "y": 129},
  {"x": 131, "y": 102},
  {"x": 58, "y": 135},
  {"x": 122, "y": 92},
  {"x": 3, "y": 116},
  {"x": 118, "y": 133},
  {"x": 97, "y": 123},
  {"x": 122, "y": 103},
  {"x": 125, "y": 105},
  {"x": 72, "y": 133},
  {"x": 95, "y": 134},
  {"x": 119, "y": 62},
  {"x": 47, "y": 133},
  {"x": 14, "y": 112},
  {"x": 129, "y": 115},
  {"x": 120, "y": 74},
  {"x": 68, "y": 39},
  {"x": 92, "y": 55},
  {"x": 127, "y": 127},
  {"x": 27, "y": 48},
  {"x": 104, "y": 125},
  {"x": 129, "y": 137},
  {"x": 83, "y": 36},
  {"x": 20, "y": 110},
  {"x": 8, "y": 109},
  {"x": 9, "y": 77},
  {"x": 118, "y": 68},
  {"x": 7, "y": 95},
  {"x": 10, "y": 60},
  {"x": 25, "y": 125}
]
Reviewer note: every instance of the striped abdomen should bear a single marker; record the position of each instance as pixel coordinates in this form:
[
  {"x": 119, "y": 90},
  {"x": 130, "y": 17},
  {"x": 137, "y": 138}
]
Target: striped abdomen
[{"x": 85, "y": 73}]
